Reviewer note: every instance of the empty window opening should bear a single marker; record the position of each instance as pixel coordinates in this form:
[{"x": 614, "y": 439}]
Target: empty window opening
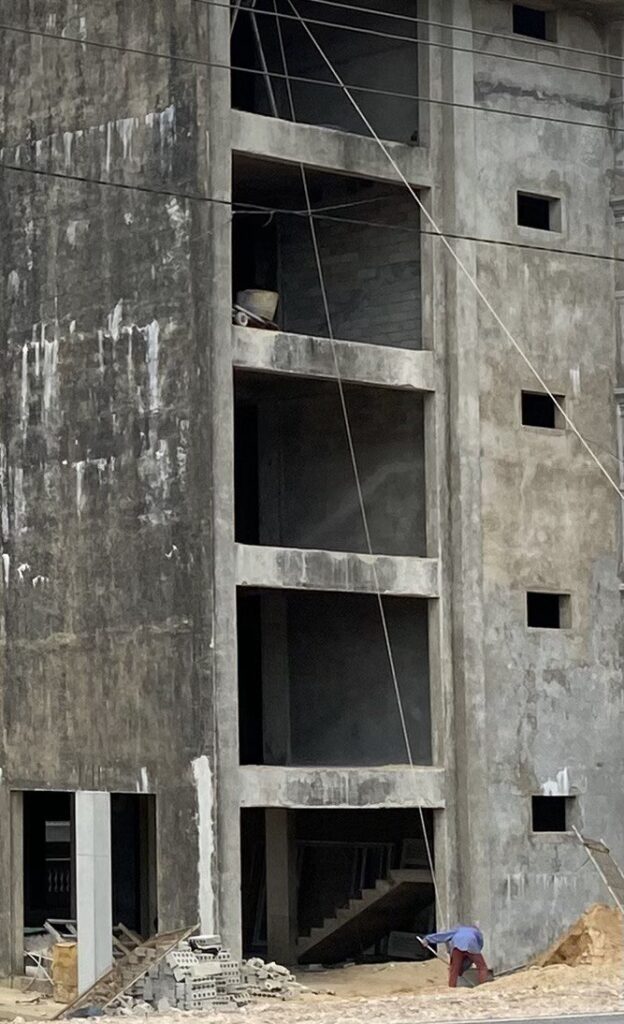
[
  {"x": 550, "y": 813},
  {"x": 324, "y": 861},
  {"x": 539, "y": 410},
  {"x": 133, "y": 862},
  {"x": 372, "y": 268},
  {"x": 541, "y": 212},
  {"x": 548, "y": 611},
  {"x": 530, "y": 21},
  {"x": 310, "y": 695},
  {"x": 370, "y": 60},
  {"x": 294, "y": 482},
  {"x": 48, "y": 852}
]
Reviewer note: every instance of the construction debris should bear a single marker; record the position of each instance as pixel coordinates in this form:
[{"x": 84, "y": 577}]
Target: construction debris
[
  {"x": 191, "y": 979},
  {"x": 200, "y": 974}
]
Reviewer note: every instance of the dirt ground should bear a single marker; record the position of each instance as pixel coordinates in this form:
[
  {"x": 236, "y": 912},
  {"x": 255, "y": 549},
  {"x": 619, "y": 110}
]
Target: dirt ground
[{"x": 581, "y": 973}]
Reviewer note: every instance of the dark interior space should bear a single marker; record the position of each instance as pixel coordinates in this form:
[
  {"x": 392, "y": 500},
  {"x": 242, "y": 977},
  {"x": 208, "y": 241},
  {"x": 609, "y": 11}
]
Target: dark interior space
[
  {"x": 366, "y": 49},
  {"x": 48, "y": 857},
  {"x": 547, "y": 611},
  {"x": 530, "y": 21},
  {"x": 339, "y": 855},
  {"x": 133, "y": 851},
  {"x": 294, "y": 480},
  {"x": 535, "y": 212},
  {"x": 368, "y": 235},
  {"x": 315, "y": 686},
  {"x": 539, "y": 410},
  {"x": 550, "y": 813}
]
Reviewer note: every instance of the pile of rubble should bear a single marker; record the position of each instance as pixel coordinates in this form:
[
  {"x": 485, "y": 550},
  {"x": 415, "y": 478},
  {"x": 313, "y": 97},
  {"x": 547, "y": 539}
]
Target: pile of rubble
[{"x": 199, "y": 974}]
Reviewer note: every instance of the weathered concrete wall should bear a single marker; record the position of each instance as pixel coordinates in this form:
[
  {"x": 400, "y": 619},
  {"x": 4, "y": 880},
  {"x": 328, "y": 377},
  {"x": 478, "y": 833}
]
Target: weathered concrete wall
[
  {"x": 549, "y": 519},
  {"x": 105, "y": 616}
]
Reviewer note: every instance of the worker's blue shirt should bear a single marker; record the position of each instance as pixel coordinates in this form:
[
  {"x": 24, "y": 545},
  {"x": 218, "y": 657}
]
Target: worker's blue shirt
[{"x": 464, "y": 937}]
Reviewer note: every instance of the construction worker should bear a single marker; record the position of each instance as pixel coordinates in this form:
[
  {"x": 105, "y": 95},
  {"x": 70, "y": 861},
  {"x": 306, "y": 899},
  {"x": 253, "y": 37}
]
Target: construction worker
[{"x": 464, "y": 944}]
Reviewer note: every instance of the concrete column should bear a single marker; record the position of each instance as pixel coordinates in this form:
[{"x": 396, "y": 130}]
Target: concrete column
[
  {"x": 7, "y": 882},
  {"x": 212, "y": 262},
  {"x": 459, "y": 212},
  {"x": 275, "y": 680},
  {"x": 281, "y": 884},
  {"x": 92, "y": 827},
  {"x": 17, "y": 883}
]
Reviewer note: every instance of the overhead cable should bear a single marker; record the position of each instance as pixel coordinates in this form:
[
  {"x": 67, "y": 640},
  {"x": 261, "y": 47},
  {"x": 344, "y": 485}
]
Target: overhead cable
[
  {"x": 413, "y": 40},
  {"x": 251, "y": 208},
  {"x": 460, "y": 263},
  {"x": 358, "y": 482},
  {"x": 221, "y": 65}
]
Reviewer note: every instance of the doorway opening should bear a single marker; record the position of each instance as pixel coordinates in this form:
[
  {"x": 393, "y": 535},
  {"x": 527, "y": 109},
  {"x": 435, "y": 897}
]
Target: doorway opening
[{"x": 133, "y": 862}]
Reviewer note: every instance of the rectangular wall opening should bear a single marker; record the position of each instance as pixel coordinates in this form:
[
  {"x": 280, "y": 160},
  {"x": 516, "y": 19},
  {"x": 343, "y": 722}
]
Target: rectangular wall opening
[
  {"x": 133, "y": 862},
  {"x": 315, "y": 687},
  {"x": 360, "y": 57},
  {"x": 317, "y": 861},
  {"x": 550, "y": 813},
  {"x": 369, "y": 240},
  {"x": 533, "y": 22},
  {"x": 548, "y": 611},
  {"x": 541, "y": 212},
  {"x": 294, "y": 480},
  {"x": 539, "y": 410}
]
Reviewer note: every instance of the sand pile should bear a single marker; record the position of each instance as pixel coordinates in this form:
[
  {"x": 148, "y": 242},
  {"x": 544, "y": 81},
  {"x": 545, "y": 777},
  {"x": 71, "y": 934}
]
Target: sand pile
[
  {"x": 368, "y": 980},
  {"x": 596, "y": 938}
]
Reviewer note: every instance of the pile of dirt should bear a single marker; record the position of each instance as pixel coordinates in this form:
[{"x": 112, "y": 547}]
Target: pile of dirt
[{"x": 596, "y": 938}]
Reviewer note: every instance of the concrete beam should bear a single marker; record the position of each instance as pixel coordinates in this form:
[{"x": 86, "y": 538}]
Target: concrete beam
[
  {"x": 307, "y": 356},
  {"x": 390, "y": 786},
  {"x": 344, "y": 571},
  {"x": 326, "y": 149}
]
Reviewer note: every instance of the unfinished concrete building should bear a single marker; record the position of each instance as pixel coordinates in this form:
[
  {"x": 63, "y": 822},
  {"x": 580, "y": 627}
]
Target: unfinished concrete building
[{"x": 198, "y": 718}]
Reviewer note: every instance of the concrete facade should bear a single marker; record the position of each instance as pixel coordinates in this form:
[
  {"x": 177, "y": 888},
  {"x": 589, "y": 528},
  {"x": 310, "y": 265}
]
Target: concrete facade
[{"x": 120, "y": 472}]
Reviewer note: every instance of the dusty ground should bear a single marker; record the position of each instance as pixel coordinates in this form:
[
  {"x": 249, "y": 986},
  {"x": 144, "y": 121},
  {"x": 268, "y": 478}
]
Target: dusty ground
[{"x": 582, "y": 973}]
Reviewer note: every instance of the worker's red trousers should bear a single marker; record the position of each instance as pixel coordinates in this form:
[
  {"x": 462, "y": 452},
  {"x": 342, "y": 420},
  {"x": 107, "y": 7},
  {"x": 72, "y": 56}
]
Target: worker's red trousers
[{"x": 460, "y": 960}]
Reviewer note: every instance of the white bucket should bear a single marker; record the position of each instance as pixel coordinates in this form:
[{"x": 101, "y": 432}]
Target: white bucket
[{"x": 258, "y": 302}]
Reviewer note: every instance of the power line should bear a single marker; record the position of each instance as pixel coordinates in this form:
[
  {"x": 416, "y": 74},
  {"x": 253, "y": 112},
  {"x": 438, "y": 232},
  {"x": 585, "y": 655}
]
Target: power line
[
  {"x": 356, "y": 474},
  {"x": 505, "y": 36},
  {"x": 414, "y": 40},
  {"x": 394, "y": 94},
  {"x": 254, "y": 208},
  {"x": 306, "y": 21},
  {"x": 462, "y": 266},
  {"x": 111, "y": 184},
  {"x": 251, "y": 208}
]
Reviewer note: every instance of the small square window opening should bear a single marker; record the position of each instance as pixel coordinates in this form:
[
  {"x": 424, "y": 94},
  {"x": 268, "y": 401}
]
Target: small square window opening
[
  {"x": 540, "y": 212},
  {"x": 539, "y": 410},
  {"x": 550, "y": 813},
  {"x": 532, "y": 22},
  {"x": 548, "y": 611}
]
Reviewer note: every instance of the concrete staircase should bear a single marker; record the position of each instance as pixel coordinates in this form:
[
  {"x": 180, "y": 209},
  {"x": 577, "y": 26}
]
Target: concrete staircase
[{"x": 365, "y": 919}]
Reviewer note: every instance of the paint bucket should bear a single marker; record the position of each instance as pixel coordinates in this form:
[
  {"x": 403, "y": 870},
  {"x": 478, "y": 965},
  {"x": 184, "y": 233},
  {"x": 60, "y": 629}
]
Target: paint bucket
[{"x": 258, "y": 302}]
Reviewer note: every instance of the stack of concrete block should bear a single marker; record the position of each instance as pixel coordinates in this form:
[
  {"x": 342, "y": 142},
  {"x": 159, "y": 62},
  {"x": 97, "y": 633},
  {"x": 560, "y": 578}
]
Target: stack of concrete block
[
  {"x": 200, "y": 974},
  {"x": 191, "y": 979}
]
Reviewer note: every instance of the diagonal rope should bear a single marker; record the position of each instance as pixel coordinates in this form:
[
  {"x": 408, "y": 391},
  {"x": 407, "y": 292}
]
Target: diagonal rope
[
  {"x": 354, "y": 464},
  {"x": 458, "y": 260}
]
